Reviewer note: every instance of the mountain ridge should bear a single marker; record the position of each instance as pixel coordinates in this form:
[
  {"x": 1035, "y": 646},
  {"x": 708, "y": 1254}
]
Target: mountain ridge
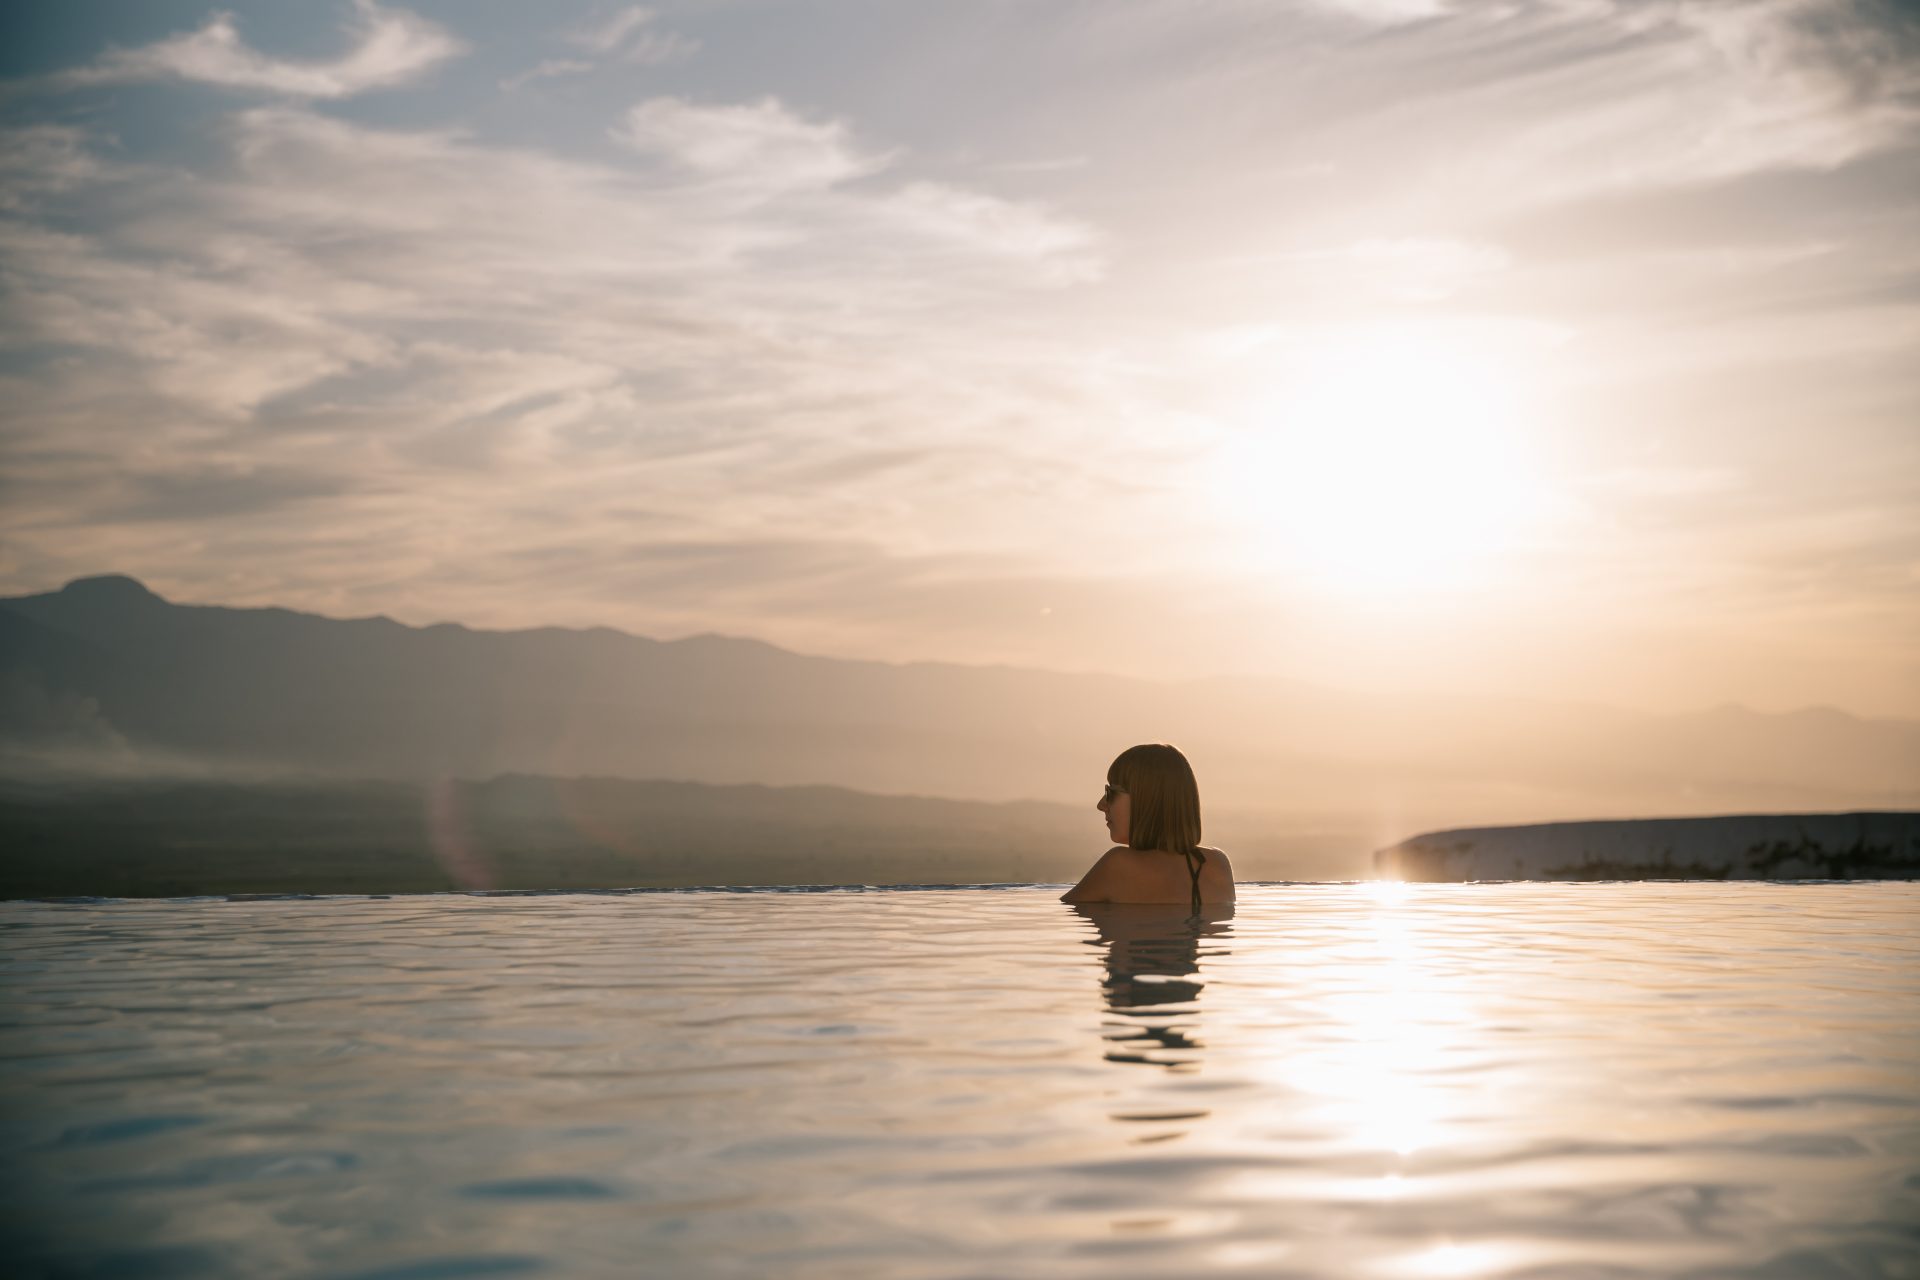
[
  {"x": 135, "y": 588},
  {"x": 106, "y": 659}
]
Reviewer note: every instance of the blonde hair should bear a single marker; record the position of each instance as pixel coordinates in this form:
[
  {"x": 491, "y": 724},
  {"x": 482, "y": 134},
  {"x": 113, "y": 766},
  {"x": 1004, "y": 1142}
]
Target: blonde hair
[{"x": 1165, "y": 800}]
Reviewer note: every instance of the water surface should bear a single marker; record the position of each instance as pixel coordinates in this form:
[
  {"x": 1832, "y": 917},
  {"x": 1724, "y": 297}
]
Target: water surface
[{"x": 1539, "y": 1080}]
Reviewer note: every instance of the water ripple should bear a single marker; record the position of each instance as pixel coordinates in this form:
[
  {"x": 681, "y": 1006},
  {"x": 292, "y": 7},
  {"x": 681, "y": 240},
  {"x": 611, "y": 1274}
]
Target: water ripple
[{"x": 1340, "y": 1081}]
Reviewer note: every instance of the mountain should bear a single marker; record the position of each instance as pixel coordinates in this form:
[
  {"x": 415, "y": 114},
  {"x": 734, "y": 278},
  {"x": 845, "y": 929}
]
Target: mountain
[{"x": 106, "y": 675}]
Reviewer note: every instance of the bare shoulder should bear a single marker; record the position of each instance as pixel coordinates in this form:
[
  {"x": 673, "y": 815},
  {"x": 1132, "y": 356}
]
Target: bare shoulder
[
  {"x": 1220, "y": 872},
  {"x": 1102, "y": 879}
]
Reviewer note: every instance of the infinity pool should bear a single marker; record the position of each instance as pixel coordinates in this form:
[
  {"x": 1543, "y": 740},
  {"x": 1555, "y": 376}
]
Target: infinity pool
[{"x": 1538, "y": 1080}]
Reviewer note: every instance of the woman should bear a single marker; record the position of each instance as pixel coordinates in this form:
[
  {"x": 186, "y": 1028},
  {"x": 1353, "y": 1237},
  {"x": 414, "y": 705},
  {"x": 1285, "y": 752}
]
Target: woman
[{"x": 1153, "y": 813}]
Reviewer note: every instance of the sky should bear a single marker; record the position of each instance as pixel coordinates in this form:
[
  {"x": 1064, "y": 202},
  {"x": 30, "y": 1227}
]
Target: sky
[{"x": 1555, "y": 349}]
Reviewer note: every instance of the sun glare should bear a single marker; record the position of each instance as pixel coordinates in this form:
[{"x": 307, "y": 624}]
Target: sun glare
[{"x": 1384, "y": 462}]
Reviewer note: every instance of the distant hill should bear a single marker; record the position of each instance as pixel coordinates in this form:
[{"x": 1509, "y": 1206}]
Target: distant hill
[
  {"x": 1785, "y": 846},
  {"x": 175, "y": 838},
  {"x": 105, "y": 677}
]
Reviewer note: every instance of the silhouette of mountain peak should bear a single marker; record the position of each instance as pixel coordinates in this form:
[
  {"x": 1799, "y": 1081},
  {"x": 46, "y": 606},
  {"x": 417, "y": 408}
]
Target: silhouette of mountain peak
[{"x": 115, "y": 588}]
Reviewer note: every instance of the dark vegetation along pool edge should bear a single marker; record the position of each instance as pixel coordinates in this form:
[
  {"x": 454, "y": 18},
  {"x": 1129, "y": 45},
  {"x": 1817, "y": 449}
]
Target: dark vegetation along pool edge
[{"x": 1809, "y": 846}]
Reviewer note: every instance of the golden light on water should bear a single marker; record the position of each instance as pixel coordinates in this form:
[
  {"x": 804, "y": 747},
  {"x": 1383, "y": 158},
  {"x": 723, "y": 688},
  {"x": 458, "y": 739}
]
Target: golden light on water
[{"x": 1378, "y": 1081}]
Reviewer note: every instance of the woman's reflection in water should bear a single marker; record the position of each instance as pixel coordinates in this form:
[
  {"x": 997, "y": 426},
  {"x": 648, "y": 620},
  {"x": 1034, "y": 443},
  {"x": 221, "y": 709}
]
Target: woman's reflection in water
[{"x": 1152, "y": 985}]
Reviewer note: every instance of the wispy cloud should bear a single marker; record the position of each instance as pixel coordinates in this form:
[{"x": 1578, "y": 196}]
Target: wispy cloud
[
  {"x": 340, "y": 333},
  {"x": 1525, "y": 104},
  {"x": 627, "y": 37},
  {"x": 391, "y": 47},
  {"x": 631, "y": 35},
  {"x": 759, "y": 143},
  {"x": 608, "y": 32},
  {"x": 41, "y": 160}
]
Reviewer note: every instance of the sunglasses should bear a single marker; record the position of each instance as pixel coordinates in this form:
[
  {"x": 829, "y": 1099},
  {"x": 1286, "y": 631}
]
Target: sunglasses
[{"x": 1107, "y": 795}]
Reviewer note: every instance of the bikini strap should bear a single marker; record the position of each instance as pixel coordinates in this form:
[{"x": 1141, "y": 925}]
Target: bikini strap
[{"x": 1195, "y": 860}]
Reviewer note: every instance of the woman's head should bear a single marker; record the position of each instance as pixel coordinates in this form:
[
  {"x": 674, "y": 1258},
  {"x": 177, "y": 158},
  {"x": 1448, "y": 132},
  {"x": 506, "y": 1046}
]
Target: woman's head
[{"x": 1152, "y": 801}]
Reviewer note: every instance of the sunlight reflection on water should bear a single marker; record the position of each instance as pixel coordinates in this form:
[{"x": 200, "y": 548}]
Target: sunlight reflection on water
[{"x": 1332, "y": 1080}]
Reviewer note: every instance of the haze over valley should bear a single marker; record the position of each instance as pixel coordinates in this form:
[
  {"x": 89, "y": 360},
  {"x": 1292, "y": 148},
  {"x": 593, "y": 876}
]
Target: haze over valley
[{"x": 107, "y": 683}]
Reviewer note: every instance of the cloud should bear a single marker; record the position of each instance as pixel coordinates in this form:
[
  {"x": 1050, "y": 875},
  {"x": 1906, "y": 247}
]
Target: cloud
[
  {"x": 608, "y": 33},
  {"x": 41, "y": 160},
  {"x": 761, "y": 144},
  {"x": 1003, "y": 228},
  {"x": 1748, "y": 87},
  {"x": 339, "y": 345},
  {"x": 1867, "y": 50},
  {"x": 655, "y": 48},
  {"x": 391, "y": 47},
  {"x": 1485, "y": 107},
  {"x": 204, "y": 337},
  {"x": 629, "y": 36}
]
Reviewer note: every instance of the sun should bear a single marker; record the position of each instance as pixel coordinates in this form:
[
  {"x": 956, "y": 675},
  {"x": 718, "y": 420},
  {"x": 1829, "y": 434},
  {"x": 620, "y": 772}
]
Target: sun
[{"x": 1383, "y": 462}]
